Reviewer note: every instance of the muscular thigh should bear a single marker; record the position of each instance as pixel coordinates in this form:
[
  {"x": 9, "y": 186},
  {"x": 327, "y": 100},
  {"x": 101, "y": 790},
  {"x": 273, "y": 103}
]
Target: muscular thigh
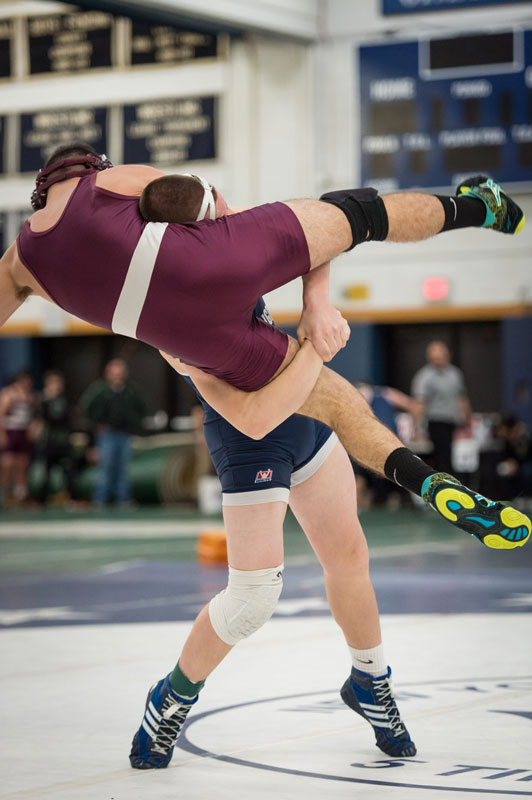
[
  {"x": 325, "y": 507},
  {"x": 255, "y": 535}
]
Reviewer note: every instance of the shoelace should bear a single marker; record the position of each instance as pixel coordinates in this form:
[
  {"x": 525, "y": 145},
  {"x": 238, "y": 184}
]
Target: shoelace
[
  {"x": 384, "y": 692},
  {"x": 173, "y": 716}
]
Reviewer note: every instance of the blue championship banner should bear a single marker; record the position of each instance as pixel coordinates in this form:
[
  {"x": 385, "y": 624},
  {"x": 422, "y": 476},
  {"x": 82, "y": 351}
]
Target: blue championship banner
[
  {"x": 43, "y": 131},
  {"x": 413, "y": 6},
  {"x": 170, "y": 131}
]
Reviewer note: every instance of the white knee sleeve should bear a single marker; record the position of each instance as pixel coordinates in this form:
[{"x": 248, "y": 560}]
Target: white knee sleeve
[{"x": 247, "y": 603}]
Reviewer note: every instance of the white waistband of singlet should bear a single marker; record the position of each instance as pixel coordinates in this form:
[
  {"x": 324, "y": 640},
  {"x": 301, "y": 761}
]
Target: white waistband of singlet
[
  {"x": 311, "y": 467},
  {"x": 136, "y": 284},
  {"x": 281, "y": 493}
]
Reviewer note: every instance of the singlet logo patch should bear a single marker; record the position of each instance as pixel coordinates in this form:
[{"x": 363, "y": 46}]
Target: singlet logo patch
[
  {"x": 266, "y": 316},
  {"x": 264, "y": 475}
]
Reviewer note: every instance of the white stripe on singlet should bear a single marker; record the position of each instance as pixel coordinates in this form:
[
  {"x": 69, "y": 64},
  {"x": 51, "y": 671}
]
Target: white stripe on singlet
[{"x": 135, "y": 288}]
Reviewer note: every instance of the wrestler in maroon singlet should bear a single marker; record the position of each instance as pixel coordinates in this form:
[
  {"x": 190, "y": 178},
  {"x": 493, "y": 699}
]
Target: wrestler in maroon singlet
[{"x": 189, "y": 290}]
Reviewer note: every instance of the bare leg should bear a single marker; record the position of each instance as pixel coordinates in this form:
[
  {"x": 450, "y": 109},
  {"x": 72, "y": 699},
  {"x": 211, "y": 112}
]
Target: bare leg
[
  {"x": 254, "y": 541},
  {"x": 325, "y": 506},
  {"x": 412, "y": 216},
  {"x": 335, "y": 402},
  {"x": 21, "y": 464},
  {"x": 6, "y": 474}
]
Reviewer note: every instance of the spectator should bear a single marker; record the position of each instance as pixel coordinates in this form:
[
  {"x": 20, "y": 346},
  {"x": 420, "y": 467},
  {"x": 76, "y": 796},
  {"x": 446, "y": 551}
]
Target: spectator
[
  {"x": 54, "y": 441},
  {"x": 514, "y": 468},
  {"x": 385, "y": 402},
  {"x": 441, "y": 399},
  {"x": 17, "y": 413},
  {"x": 115, "y": 406}
]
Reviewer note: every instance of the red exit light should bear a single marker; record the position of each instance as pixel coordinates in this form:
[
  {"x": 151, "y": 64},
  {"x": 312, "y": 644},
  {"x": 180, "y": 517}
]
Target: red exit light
[{"x": 435, "y": 289}]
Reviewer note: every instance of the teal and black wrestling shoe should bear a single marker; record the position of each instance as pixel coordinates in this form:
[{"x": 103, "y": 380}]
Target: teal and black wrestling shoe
[
  {"x": 495, "y": 524},
  {"x": 502, "y": 213}
]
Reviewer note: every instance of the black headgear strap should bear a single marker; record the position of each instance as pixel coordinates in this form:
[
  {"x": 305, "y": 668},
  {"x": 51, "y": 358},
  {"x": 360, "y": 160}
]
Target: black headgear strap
[{"x": 88, "y": 163}]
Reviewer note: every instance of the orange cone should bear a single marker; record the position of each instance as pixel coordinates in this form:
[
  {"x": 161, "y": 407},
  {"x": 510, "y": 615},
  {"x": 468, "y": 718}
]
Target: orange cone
[{"x": 212, "y": 547}]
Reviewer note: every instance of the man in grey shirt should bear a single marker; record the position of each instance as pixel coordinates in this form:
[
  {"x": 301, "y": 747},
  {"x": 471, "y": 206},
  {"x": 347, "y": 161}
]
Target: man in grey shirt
[{"x": 441, "y": 398}]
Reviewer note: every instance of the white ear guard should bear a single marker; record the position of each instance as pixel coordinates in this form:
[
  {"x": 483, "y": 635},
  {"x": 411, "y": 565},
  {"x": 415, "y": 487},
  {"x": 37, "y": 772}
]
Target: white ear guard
[{"x": 207, "y": 210}]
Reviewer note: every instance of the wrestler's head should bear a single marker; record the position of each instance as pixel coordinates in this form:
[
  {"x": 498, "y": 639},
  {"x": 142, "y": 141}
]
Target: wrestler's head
[
  {"x": 180, "y": 198},
  {"x": 67, "y": 151},
  {"x": 67, "y": 161}
]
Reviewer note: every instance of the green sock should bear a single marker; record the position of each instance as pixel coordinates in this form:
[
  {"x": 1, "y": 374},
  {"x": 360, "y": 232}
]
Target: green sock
[{"x": 182, "y": 685}]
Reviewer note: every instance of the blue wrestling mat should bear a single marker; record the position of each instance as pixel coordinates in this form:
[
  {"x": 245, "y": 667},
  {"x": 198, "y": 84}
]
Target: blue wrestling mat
[{"x": 116, "y": 569}]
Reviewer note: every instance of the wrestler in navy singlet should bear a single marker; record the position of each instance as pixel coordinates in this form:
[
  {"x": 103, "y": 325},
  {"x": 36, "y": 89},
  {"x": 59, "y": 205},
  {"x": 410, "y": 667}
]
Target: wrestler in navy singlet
[
  {"x": 186, "y": 289},
  {"x": 263, "y": 471}
]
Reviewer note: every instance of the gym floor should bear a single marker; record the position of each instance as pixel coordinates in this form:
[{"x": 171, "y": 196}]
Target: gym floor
[{"x": 95, "y": 608}]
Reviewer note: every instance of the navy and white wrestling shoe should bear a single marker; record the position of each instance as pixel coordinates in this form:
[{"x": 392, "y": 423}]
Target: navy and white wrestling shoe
[
  {"x": 373, "y": 699},
  {"x": 165, "y": 714}
]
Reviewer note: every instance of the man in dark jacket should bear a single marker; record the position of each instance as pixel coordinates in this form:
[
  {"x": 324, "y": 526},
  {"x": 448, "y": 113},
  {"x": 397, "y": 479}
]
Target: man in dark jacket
[{"x": 115, "y": 406}]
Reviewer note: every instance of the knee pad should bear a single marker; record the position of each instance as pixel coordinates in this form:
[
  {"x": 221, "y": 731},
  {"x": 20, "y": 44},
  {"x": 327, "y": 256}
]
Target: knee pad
[
  {"x": 246, "y": 604},
  {"x": 365, "y": 212}
]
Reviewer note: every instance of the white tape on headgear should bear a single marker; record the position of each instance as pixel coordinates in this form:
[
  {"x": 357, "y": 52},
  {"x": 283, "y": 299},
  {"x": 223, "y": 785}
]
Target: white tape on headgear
[
  {"x": 207, "y": 204},
  {"x": 246, "y": 604}
]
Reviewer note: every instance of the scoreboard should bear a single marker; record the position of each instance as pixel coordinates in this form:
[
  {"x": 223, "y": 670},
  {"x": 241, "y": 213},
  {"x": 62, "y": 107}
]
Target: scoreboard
[{"x": 437, "y": 109}]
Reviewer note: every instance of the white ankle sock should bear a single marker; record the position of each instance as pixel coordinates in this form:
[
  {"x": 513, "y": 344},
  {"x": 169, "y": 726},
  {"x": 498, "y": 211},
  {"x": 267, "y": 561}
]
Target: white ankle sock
[{"x": 371, "y": 661}]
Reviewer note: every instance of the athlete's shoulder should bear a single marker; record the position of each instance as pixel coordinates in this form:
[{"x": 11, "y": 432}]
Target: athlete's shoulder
[{"x": 128, "y": 178}]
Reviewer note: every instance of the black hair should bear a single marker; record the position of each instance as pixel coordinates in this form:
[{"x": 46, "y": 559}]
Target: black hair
[{"x": 70, "y": 150}]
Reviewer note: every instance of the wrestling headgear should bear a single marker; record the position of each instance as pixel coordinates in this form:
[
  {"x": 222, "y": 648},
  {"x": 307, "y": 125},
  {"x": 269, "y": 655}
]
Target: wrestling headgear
[
  {"x": 208, "y": 204},
  {"x": 87, "y": 163}
]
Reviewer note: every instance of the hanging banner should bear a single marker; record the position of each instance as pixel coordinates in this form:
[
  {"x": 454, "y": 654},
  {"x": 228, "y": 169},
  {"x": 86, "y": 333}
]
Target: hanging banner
[
  {"x": 171, "y": 131},
  {"x": 415, "y": 6},
  {"x": 6, "y": 43},
  {"x": 42, "y": 132},
  {"x": 2, "y": 143},
  {"x": 162, "y": 44},
  {"x": 69, "y": 42}
]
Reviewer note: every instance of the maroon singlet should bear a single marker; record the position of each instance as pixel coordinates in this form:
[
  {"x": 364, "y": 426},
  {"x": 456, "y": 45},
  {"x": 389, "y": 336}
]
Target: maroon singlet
[{"x": 189, "y": 290}]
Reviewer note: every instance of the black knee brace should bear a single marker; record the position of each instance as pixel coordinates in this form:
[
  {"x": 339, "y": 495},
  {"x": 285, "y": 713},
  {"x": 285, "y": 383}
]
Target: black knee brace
[{"x": 365, "y": 212}]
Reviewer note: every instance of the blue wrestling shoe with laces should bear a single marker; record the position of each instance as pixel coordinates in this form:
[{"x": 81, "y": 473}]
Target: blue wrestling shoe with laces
[
  {"x": 373, "y": 699},
  {"x": 502, "y": 214},
  {"x": 495, "y": 524},
  {"x": 165, "y": 714}
]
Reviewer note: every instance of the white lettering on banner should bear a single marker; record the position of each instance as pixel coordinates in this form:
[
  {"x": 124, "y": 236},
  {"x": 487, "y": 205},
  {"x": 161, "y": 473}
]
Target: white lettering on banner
[
  {"x": 431, "y": 3},
  {"x": 185, "y": 108},
  {"x": 380, "y": 144},
  {"x": 416, "y": 141},
  {"x": 522, "y": 133},
  {"x": 480, "y": 88},
  {"x": 393, "y": 89},
  {"x": 471, "y": 137}
]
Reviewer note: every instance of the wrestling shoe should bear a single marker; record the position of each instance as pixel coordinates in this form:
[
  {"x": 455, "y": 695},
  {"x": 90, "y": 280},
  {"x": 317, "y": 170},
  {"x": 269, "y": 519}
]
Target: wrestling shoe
[
  {"x": 373, "y": 699},
  {"x": 502, "y": 214},
  {"x": 153, "y": 743},
  {"x": 494, "y": 524}
]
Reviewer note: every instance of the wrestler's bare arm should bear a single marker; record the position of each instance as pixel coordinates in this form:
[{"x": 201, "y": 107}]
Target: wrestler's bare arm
[
  {"x": 320, "y": 321},
  {"x": 257, "y": 413},
  {"x": 11, "y": 295}
]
